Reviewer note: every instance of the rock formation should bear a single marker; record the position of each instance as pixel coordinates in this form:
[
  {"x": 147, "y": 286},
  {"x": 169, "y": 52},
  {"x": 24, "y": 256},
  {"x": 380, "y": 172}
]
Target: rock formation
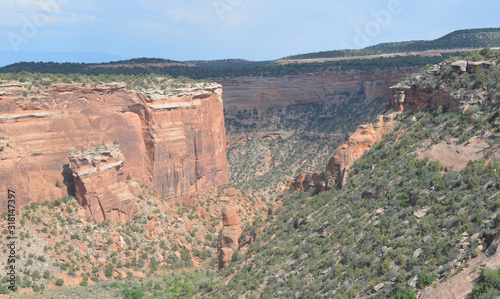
[
  {"x": 360, "y": 142},
  {"x": 228, "y": 239},
  {"x": 416, "y": 94},
  {"x": 337, "y": 169},
  {"x": 173, "y": 140},
  {"x": 100, "y": 184},
  {"x": 306, "y": 181},
  {"x": 404, "y": 98}
]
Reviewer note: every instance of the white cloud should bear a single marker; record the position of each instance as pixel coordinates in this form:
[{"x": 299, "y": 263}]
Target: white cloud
[{"x": 17, "y": 13}]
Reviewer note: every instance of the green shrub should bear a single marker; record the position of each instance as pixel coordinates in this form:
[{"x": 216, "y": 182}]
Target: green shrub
[
  {"x": 404, "y": 199},
  {"x": 108, "y": 270},
  {"x": 424, "y": 279},
  {"x": 489, "y": 282},
  {"x": 132, "y": 294},
  {"x": 59, "y": 282}
]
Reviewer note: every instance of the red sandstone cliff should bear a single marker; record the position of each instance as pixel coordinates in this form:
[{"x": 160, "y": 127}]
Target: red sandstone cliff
[
  {"x": 173, "y": 139},
  {"x": 360, "y": 142}
]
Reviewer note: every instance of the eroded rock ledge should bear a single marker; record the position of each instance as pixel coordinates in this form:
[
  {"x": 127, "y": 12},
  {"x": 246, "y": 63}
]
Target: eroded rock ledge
[{"x": 100, "y": 183}]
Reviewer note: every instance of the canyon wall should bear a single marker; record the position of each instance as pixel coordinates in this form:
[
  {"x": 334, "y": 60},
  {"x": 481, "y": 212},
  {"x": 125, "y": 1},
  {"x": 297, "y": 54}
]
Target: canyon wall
[
  {"x": 261, "y": 93},
  {"x": 312, "y": 104},
  {"x": 173, "y": 140}
]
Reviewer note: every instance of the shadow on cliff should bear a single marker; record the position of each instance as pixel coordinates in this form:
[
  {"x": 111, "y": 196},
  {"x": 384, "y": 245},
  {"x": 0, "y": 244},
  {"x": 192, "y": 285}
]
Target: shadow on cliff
[{"x": 69, "y": 180}]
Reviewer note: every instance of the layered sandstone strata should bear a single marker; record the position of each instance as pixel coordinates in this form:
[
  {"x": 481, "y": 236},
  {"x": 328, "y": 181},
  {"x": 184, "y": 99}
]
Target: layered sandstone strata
[
  {"x": 409, "y": 98},
  {"x": 248, "y": 93},
  {"x": 173, "y": 140}
]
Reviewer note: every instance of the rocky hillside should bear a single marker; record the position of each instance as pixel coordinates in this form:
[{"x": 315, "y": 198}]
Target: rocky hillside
[
  {"x": 170, "y": 132},
  {"x": 417, "y": 214},
  {"x": 63, "y": 252}
]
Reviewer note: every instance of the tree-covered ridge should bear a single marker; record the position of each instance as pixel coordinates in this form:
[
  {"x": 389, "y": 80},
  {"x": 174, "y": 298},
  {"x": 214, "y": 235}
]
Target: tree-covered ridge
[
  {"x": 351, "y": 242},
  {"x": 461, "y": 39},
  {"x": 140, "y": 82},
  {"x": 140, "y": 60},
  {"x": 223, "y": 72}
]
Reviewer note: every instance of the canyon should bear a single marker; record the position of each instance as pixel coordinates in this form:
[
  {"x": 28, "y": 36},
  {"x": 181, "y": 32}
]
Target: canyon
[
  {"x": 253, "y": 96},
  {"x": 173, "y": 140}
]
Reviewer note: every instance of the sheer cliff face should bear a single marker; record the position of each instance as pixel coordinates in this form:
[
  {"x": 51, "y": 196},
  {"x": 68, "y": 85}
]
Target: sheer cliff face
[{"x": 173, "y": 140}]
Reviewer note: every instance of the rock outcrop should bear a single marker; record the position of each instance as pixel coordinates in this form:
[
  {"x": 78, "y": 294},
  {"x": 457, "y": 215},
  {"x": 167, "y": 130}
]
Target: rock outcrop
[
  {"x": 100, "y": 183},
  {"x": 228, "y": 239},
  {"x": 452, "y": 154},
  {"x": 337, "y": 169},
  {"x": 418, "y": 93},
  {"x": 360, "y": 142},
  {"x": 173, "y": 140},
  {"x": 411, "y": 98},
  {"x": 306, "y": 181}
]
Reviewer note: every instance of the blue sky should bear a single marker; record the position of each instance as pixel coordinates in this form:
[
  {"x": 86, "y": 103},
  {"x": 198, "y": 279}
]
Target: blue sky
[{"x": 217, "y": 29}]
